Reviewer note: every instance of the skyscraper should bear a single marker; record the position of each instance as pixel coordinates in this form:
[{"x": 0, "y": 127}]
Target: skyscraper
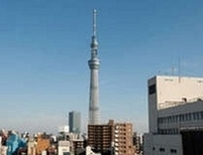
[
  {"x": 74, "y": 121},
  {"x": 94, "y": 84}
]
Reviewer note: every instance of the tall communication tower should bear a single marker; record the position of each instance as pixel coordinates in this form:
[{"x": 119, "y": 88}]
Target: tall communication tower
[{"x": 94, "y": 84}]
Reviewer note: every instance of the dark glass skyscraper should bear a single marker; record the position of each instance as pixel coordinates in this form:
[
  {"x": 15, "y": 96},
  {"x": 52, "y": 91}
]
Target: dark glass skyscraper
[{"x": 74, "y": 122}]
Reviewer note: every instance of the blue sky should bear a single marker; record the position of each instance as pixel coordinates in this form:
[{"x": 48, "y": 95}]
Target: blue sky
[{"x": 45, "y": 46}]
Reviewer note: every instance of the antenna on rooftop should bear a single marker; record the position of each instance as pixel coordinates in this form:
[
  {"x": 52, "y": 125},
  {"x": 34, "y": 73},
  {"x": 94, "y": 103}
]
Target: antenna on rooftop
[{"x": 179, "y": 69}]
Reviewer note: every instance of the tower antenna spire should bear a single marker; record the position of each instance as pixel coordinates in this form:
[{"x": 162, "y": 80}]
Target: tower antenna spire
[
  {"x": 94, "y": 22},
  {"x": 94, "y": 43}
]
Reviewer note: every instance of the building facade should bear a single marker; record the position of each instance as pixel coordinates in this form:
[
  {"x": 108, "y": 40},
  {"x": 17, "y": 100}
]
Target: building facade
[
  {"x": 75, "y": 122},
  {"x": 42, "y": 143},
  {"x": 175, "y": 105},
  {"x": 63, "y": 147},
  {"x": 100, "y": 137},
  {"x": 123, "y": 139},
  {"x": 112, "y": 138},
  {"x": 137, "y": 143}
]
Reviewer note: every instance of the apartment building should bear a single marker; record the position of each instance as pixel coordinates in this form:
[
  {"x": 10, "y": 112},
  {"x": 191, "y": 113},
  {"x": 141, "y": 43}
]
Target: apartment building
[
  {"x": 100, "y": 137},
  {"x": 113, "y": 138},
  {"x": 123, "y": 139}
]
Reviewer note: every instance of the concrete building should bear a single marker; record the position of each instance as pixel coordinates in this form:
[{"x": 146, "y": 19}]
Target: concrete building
[
  {"x": 94, "y": 84},
  {"x": 100, "y": 137},
  {"x": 90, "y": 152},
  {"x": 76, "y": 143},
  {"x": 112, "y": 138},
  {"x": 78, "y": 146},
  {"x": 31, "y": 147},
  {"x": 123, "y": 139},
  {"x": 3, "y": 149},
  {"x": 175, "y": 108},
  {"x": 137, "y": 143},
  {"x": 63, "y": 129},
  {"x": 75, "y": 122},
  {"x": 43, "y": 143},
  {"x": 63, "y": 148}
]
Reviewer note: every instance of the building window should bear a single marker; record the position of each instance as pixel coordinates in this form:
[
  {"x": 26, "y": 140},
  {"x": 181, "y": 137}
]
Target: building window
[
  {"x": 169, "y": 80},
  {"x": 173, "y": 151},
  {"x": 176, "y": 118},
  {"x": 152, "y": 89},
  {"x": 162, "y": 150},
  {"x": 180, "y": 118},
  {"x": 195, "y": 116},
  {"x": 189, "y": 117},
  {"x": 201, "y": 114}
]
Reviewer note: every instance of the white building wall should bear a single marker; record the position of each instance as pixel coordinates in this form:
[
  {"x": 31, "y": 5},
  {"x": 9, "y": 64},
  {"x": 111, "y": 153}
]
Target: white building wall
[
  {"x": 171, "y": 90},
  {"x": 175, "y": 89},
  {"x": 44, "y": 152},
  {"x": 170, "y": 96},
  {"x": 4, "y": 150},
  {"x": 31, "y": 146},
  {"x": 63, "y": 129},
  {"x": 90, "y": 152},
  {"x": 63, "y": 147}
]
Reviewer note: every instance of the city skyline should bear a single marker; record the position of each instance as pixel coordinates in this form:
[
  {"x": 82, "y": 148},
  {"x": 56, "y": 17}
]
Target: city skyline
[{"x": 45, "y": 46}]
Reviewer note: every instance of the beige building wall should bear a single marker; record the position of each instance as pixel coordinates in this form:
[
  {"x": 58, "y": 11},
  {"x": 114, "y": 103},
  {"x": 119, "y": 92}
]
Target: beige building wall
[
  {"x": 170, "y": 91},
  {"x": 42, "y": 144},
  {"x": 171, "y": 97},
  {"x": 123, "y": 141},
  {"x": 177, "y": 89},
  {"x": 63, "y": 147}
]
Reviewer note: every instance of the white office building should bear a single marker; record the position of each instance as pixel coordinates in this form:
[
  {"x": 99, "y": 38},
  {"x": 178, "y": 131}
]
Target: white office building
[{"x": 175, "y": 107}]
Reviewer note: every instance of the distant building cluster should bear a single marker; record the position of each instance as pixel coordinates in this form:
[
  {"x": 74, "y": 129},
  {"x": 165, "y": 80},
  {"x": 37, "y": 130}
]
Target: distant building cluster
[
  {"x": 108, "y": 139},
  {"x": 13, "y": 143}
]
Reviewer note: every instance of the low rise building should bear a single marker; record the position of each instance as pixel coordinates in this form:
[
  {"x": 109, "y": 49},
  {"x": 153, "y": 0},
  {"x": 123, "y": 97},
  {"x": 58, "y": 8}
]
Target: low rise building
[
  {"x": 31, "y": 146},
  {"x": 43, "y": 143},
  {"x": 63, "y": 147}
]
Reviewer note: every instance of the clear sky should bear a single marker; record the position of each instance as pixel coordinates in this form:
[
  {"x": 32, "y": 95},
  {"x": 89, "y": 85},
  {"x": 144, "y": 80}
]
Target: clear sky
[{"x": 45, "y": 46}]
